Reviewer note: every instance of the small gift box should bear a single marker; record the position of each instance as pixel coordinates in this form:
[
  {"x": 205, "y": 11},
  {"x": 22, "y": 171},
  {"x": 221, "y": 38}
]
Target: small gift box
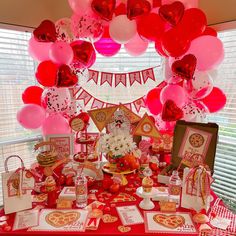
[
  {"x": 196, "y": 188},
  {"x": 15, "y": 196}
]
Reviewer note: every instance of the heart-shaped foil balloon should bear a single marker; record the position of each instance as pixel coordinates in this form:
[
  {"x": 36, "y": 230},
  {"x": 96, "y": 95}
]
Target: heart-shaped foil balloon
[
  {"x": 104, "y": 8},
  {"x": 65, "y": 77},
  {"x": 45, "y": 32},
  {"x": 172, "y": 13},
  {"x": 137, "y": 8},
  {"x": 170, "y": 111},
  {"x": 185, "y": 67}
]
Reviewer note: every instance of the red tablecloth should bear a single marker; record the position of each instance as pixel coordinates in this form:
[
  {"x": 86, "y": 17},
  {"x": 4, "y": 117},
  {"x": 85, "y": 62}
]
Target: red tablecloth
[{"x": 104, "y": 228}]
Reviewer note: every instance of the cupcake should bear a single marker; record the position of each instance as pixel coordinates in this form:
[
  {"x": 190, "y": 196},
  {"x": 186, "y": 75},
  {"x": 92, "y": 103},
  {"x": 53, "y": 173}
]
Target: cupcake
[{"x": 147, "y": 181}]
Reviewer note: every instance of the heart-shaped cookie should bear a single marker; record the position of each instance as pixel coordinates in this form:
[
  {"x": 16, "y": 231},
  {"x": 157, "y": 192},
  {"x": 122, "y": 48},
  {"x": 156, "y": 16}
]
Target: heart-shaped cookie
[
  {"x": 185, "y": 67},
  {"x": 169, "y": 221},
  {"x": 172, "y": 13},
  {"x": 137, "y": 8},
  {"x": 45, "y": 32},
  {"x": 170, "y": 111},
  {"x": 65, "y": 77},
  {"x": 104, "y": 8},
  {"x": 124, "y": 229},
  {"x": 59, "y": 219},
  {"x": 107, "y": 218}
]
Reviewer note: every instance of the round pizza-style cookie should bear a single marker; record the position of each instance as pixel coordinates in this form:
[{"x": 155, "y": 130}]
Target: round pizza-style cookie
[{"x": 196, "y": 140}]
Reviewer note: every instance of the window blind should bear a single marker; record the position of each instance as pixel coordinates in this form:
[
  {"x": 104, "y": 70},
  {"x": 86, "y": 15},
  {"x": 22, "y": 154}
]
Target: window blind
[{"x": 225, "y": 162}]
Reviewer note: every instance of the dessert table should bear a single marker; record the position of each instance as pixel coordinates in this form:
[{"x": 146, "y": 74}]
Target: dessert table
[{"x": 110, "y": 208}]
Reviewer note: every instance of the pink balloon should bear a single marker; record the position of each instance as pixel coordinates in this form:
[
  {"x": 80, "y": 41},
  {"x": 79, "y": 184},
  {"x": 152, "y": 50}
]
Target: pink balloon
[
  {"x": 136, "y": 46},
  {"x": 173, "y": 92},
  {"x": 208, "y": 50},
  {"x": 107, "y": 47},
  {"x": 153, "y": 101},
  {"x": 38, "y": 50},
  {"x": 187, "y": 3},
  {"x": 122, "y": 29},
  {"x": 31, "y": 116},
  {"x": 61, "y": 53},
  {"x": 55, "y": 124},
  {"x": 80, "y": 6}
]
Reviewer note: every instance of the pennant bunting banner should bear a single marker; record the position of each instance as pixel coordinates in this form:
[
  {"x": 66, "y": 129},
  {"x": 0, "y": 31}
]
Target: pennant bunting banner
[
  {"x": 139, "y": 103},
  {"x": 85, "y": 96},
  {"x": 97, "y": 104},
  {"x": 115, "y": 79}
]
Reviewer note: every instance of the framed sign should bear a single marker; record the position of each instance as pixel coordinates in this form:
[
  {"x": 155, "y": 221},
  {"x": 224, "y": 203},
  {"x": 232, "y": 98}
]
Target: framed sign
[{"x": 64, "y": 144}]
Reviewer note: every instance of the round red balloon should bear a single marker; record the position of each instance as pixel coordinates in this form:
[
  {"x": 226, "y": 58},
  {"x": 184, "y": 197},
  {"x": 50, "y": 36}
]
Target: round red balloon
[
  {"x": 46, "y": 73},
  {"x": 215, "y": 101},
  {"x": 193, "y": 22},
  {"x": 151, "y": 26},
  {"x": 32, "y": 95},
  {"x": 175, "y": 43},
  {"x": 159, "y": 49},
  {"x": 153, "y": 101},
  {"x": 210, "y": 31}
]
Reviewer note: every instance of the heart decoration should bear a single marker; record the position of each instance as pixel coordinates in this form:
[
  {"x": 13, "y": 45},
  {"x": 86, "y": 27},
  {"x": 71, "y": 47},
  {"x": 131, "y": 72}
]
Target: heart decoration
[
  {"x": 170, "y": 111},
  {"x": 124, "y": 229},
  {"x": 45, "y": 32},
  {"x": 169, "y": 221},
  {"x": 107, "y": 218},
  {"x": 137, "y": 8},
  {"x": 172, "y": 13},
  {"x": 185, "y": 67},
  {"x": 65, "y": 77},
  {"x": 104, "y": 8},
  {"x": 120, "y": 9}
]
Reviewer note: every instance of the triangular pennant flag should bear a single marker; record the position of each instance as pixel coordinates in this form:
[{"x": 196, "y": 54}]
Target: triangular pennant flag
[
  {"x": 131, "y": 115},
  {"x": 102, "y": 116},
  {"x": 146, "y": 127}
]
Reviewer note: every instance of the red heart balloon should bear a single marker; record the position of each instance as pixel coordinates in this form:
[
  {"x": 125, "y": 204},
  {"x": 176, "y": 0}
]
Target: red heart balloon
[
  {"x": 45, "y": 32},
  {"x": 137, "y": 8},
  {"x": 104, "y": 8},
  {"x": 65, "y": 77},
  {"x": 172, "y": 13},
  {"x": 185, "y": 67},
  {"x": 171, "y": 112},
  {"x": 120, "y": 9}
]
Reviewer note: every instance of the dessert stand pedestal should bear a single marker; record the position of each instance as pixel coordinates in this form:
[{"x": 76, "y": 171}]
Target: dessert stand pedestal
[{"x": 146, "y": 203}]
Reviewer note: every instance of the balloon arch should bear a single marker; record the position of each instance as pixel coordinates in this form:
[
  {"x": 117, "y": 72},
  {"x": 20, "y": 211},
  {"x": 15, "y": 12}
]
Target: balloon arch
[{"x": 177, "y": 28}]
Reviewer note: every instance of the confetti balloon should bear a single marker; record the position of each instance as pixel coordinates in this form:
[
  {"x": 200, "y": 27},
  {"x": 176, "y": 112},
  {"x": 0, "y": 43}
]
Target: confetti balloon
[{"x": 63, "y": 30}]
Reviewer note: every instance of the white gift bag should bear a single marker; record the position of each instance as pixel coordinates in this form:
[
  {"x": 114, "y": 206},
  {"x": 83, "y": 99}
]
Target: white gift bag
[
  {"x": 196, "y": 188},
  {"x": 14, "y": 197}
]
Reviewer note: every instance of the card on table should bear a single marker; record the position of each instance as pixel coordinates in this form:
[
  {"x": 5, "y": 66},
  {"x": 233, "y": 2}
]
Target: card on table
[
  {"x": 178, "y": 223},
  {"x": 26, "y": 219},
  {"x": 62, "y": 220},
  {"x": 130, "y": 215}
]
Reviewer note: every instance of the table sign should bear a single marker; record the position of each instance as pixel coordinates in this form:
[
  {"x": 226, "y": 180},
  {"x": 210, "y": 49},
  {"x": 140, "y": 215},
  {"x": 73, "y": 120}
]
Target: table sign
[
  {"x": 129, "y": 215},
  {"x": 26, "y": 219},
  {"x": 62, "y": 220},
  {"x": 170, "y": 223}
]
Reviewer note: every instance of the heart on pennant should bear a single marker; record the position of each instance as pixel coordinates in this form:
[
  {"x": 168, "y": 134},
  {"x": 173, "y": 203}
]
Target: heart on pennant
[
  {"x": 170, "y": 111},
  {"x": 65, "y": 77},
  {"x": 172, "y": 13},
  {"x": 104, "y": 8},
  {"x": 185, "y": 67},
  {"x": 137, "y": 8},
  {"x": 45, "y": 32}
]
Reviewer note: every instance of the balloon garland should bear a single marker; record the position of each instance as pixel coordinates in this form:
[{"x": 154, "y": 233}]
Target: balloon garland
[{"x": 177, "y": 28}]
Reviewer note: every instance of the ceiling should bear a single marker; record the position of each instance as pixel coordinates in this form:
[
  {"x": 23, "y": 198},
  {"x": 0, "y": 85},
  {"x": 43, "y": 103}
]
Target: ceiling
[{"x": 30, "y": 13}]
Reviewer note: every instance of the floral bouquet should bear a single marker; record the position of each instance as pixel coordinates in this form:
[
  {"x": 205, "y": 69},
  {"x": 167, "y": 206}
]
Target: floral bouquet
[{"x": 120, "y": 150}]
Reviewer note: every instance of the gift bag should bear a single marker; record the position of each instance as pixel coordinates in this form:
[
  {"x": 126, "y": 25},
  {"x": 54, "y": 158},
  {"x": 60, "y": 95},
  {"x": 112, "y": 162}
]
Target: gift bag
[
  {"x": 14, "y": 197},
  {"x": 196, "y": 188}
]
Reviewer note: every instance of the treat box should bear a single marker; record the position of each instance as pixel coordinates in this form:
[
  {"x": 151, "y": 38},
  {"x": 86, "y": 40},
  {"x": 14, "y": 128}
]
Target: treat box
[{"x": 68, "y": 193}]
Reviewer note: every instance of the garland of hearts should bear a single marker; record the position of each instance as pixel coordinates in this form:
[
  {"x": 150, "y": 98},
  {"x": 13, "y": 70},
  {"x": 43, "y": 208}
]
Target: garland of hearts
[{"x": 178, "y": 29}]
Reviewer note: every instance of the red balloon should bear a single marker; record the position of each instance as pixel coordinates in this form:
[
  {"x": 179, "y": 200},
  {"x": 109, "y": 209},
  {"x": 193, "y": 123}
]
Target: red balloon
[
  {"x": 151, "y": 26},
  {"x": 120, "y": 9},
  {"x": 172, "y": 13},
  {"x": 66, "y": 77},
  {"x": 171, "y": 112},
  {"x": 153, "y": 101},
  {"x": 137, "y": 8},
  {"x": 215, "y": 101},
  {"x": 175, "y": 43},
  {"x": 193, "y": 22},
  {"x": 104, "y": 8},
  {"x": 84, "y": 54},
  {"x": 32, "y": 95},
  {"x": 159, "y": 49},
  {"x": 210, "y": 31},
  {"x": 185, "y": 67},
  {"x": 46, "y": 73}
]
